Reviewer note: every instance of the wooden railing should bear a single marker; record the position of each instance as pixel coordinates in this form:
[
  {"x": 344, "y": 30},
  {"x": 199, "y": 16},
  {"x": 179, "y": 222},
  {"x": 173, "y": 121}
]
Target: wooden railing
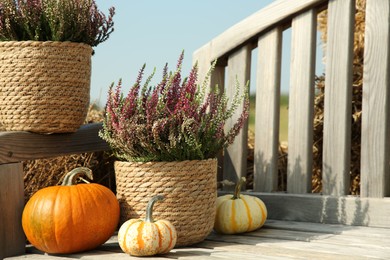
[{"x": 263, "y": 30}]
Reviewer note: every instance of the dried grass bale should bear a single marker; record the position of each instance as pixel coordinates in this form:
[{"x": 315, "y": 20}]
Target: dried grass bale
[{"x": 48, "y": 172}]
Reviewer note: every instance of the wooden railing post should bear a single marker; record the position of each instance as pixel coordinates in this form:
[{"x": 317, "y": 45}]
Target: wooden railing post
[
  {"x": 235, "y": 156},
  {"x": 338, "y": 98},
  {"x": 267, "y": 111},
  {"x": 300, "y": 131},
  {"x": 12, "y": 239},
  {"x": 375, "y": 152}
]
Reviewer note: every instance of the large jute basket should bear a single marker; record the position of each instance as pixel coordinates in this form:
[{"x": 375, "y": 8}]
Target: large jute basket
[
  {"x": 189, "y": 189},
  {"x": 44, "y": 86}
]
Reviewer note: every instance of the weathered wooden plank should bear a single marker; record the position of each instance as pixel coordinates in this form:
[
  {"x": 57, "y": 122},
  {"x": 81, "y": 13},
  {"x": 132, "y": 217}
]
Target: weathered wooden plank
[
  {"x": 275, "y": 251},
  {"x": 314, "y": 246},
  {"x": 97, "y": 254},
  {"x": 217, "y": 79},
  {"x": 203, "y": 60},
  {"x": 267, "y": 111},
  {"x": 338, "y": 96},
  {"x": 316, "y": 208},
  {"x": 337, "y": 239},
  {"x": 12, "y": 239},
  {"x": 342, "y": 251},
  {"x": 235, "y": 156},
  {"x": 243, "y": 255},
  {"x": 276, "y": 240},
  {"x": 375, "y": 170},
  {"x": 192, "y": 253},
  {"x": 292, "y": 235},
  {"x": 20, "y": 146},
  {"x": 38, "y": 257},
  {"x": 334, "y": 229},
  {"x": 301, "y": 103},
  {"x": 358, "y": 241},
  {"x": 254, "y": 25}
]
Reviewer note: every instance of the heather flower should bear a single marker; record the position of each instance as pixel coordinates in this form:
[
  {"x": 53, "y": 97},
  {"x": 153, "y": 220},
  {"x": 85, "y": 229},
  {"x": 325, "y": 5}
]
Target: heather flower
[
  {"x": 54, "y": 20},
  {"x": 175, "y": 120}
]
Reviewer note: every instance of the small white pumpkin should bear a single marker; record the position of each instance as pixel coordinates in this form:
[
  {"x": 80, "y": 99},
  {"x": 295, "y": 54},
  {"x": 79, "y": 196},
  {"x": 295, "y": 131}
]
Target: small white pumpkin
[
  {"x": 146, "y": 237},
  {"x": 239, "y": 213}
]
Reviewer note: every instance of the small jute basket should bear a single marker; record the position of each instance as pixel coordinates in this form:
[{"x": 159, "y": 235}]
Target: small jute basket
[
  {"x": 44, "y": 86},
  {"x": 189, "y": 189}
]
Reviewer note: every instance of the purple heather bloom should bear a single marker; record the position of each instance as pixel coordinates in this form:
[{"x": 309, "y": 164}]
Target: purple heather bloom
[{"x": 169, "y": 121}]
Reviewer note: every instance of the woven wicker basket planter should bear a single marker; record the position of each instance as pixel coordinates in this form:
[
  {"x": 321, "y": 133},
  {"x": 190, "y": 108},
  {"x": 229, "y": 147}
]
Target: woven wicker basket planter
[
  {"x": 189, "y": 188},
  {"x": 44, "y": 86}
]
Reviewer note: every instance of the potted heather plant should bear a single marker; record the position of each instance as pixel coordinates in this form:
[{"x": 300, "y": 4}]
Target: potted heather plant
[
  {"x": 166, "y": 139},
  {"x": 45, "y": 62}
]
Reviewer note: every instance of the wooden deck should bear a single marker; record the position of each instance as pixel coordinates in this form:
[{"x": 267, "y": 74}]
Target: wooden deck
[{"x": 276, "y": 240}]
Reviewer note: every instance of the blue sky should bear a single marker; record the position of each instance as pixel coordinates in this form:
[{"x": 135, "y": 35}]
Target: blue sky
[{"x": 155, "y": 32}]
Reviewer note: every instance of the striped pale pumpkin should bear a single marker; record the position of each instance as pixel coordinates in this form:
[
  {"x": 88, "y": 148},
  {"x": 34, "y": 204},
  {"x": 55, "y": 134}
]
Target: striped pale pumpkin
[
  {"x": 239, "y": 213},
  {"x": 146, "y": 237}
]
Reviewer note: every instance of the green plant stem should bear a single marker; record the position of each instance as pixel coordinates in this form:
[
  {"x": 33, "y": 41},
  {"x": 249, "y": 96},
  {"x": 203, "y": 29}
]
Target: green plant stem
[
  {"x": 72, "y": 176},
  {"x": 237, "y": 190},
  {"x": 149, "y": 208}
]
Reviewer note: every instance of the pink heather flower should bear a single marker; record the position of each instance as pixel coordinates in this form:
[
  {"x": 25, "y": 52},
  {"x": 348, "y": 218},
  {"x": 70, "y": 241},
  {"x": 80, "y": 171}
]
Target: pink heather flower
[
  {"x": 170, "y": 121},
  {"x": 55, "y": 20}
]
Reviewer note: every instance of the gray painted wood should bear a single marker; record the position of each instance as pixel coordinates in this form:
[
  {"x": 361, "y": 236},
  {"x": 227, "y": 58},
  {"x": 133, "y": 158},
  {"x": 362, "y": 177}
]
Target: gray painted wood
[
  {"x": 20, "y": 146},
  {"x": 375, "y": 163},
  {"x": 217, "y": 79},
  {"x": 347, "y": 210},
  {"x": 275, "y": 240},
  {"x": 338, "y": 95},
  {"x": 301, "y": 103},
  {"x": 12, "y": 239},
  {"x": 249, "y": 28},
  {"x": 267, "y": 111},
  {"x": 202, "y": 58},
  {"x": 235, "y": 156}
]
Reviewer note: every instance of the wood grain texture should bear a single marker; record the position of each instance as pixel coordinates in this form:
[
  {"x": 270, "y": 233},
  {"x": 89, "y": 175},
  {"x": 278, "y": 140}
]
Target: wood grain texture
[
  {"x": 12, "y": 239},
  {"x": 267, "y": 111},
  {"x": 348, "y": 210},
  {"x": 338, "y": 96},
  {"x": 20, "y": 146},
  {"x": 301, "y": 103},
  {"x": 251, "y": 27},
  {"x": 235, "y": 156},
  {"x": 202, "y": 59},
  {"x": 217, "y": 80},
  {"x": 275, "y": 240},
  {"x": 375, "y": 164}
]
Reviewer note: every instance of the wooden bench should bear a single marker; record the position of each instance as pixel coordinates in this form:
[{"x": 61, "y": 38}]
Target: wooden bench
[
  {"x": 233, "y": 49},
  {"x": 16, "y": 147}
]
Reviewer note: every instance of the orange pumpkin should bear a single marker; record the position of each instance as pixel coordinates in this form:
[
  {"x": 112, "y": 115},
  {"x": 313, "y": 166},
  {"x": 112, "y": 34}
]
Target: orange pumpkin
[
  {"x": 71, "y": 218},
  {"x": 146, "y": 237}
]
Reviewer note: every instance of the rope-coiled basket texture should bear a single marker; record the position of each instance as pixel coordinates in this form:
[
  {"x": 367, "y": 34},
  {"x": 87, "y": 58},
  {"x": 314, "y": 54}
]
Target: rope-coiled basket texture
[
  {"x": 44, "y": 86},
  {"x": 189, "y": 189}
]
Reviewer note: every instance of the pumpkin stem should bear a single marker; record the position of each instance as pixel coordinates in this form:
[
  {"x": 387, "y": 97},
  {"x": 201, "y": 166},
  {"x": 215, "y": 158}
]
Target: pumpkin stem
[
  {"x": 149, "y": 208},
  {"x": 72, "y": 176},
  {"x": 238, "y": 188}
]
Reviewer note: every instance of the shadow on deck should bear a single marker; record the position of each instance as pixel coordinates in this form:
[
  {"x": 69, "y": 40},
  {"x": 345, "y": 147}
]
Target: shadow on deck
[{"x": 276, "y": 240}]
